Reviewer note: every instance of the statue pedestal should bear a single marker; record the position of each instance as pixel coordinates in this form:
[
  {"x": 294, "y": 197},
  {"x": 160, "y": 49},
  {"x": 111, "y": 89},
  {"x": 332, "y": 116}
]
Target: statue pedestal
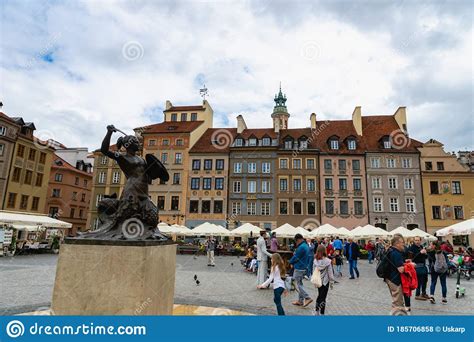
[{"x": 100, "y": 277}]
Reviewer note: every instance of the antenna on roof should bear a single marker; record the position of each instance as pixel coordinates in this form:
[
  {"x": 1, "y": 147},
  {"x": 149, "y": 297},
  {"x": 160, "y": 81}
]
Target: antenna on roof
[{"x": 203, "y": 92}]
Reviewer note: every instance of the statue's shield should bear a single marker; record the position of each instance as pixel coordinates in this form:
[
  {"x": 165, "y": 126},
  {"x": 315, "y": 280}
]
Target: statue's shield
[{"x": 155, "y": 169}]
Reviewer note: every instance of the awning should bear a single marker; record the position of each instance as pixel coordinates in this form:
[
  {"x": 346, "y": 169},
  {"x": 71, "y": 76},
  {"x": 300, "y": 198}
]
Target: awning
[
  {"x": 26, "y": 219},
  {"x": 30, "y": 228}
]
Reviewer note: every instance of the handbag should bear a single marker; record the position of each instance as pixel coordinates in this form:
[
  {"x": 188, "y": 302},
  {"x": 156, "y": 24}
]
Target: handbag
[{"x": 316, "y": 278}]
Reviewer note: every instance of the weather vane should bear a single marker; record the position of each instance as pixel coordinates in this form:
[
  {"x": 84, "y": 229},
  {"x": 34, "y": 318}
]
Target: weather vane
[{"x": 203, "y": 92}]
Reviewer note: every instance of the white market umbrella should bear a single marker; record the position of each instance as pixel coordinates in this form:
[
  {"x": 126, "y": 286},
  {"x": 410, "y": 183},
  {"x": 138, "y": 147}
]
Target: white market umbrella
[
  {"x": 461, "y": 228},
  {"x": 425, "y": 235},
  {"x": 304, "y": 232},
  {"x": 405, "y": 232},
  {"x": 325, "y": 230},
  {"x": 207, "y": 228},
  {"x": 30, "y": 220},
  {"x": 286, "y": 231},
  {"x": 343, "y": 231},
  {"x": 246, "y": 229},
  {"x": 369, "y": 231}
]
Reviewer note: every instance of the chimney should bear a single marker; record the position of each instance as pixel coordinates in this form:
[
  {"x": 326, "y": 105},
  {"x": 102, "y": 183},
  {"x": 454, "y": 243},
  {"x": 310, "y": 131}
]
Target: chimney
[
  {"x": 357, "y": 120},
  {"x": 241, "y": 126},
  {"x": 312, "y": 118},
  {"x": 401, "y": 119},
  {"x": 168, "y": 105}
]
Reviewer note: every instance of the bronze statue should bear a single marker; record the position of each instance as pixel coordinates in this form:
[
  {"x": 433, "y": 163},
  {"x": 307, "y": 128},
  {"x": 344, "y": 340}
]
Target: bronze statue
[{"x": 133, "y": 216}]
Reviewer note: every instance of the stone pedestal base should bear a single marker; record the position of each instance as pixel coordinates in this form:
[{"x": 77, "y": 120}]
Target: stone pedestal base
[{"x": 96, "y": 277}]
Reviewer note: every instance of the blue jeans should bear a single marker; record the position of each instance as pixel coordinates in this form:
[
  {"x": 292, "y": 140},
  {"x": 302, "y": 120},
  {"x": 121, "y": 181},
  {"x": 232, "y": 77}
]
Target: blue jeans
[
  {"x": 338, "y": 269},
  {"x": 370, "y": 256},
  {"x": 277, "y": 299},
  {"x": 442, "y": 279},
  {"x": 353, "y": 267},
  {"x": 310, "y": 266},
  {"x": 298, "y": 277}
]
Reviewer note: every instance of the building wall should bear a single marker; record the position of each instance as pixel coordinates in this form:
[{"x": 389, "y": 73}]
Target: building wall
[
  {"x": 380, "y": 176},
  {"x": 7, "y": 147}
]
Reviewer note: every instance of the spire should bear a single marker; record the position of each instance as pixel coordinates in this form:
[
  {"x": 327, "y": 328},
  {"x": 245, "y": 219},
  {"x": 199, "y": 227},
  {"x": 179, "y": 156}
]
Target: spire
[
  {"x": 280, "y": 102},
  {"x": 280, "y": 113}
]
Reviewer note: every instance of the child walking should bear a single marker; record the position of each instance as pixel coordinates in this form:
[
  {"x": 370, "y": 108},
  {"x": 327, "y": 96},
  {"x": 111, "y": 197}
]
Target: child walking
[
  {"x": 277, "y": 270},
  {"x": 339, "y": 262}
]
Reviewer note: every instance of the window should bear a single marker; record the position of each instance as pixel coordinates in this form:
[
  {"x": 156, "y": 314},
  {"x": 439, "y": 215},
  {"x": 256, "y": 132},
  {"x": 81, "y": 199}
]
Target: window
[
  {"x": 32, "y": 154},
  {"x": 24, "y": 202},
  {"x": 297, "y": 184},
  {"x": 237, "y": 187},
  {"x": 207, "y": 164},
  {"x": 42, "y": 158},
  {"x": 251, "y": 208},
  {"x": 357, "y": 184},
  {"x": 440, "y": 166},
  {"x": 184, "y": 116},
  {"x": 72, "y": 212},
  {"x": 195, "y": 183},
  {"x": 99, "y": 198},
  {"x": 103, "y": 160},
  {"x": 410, "y": 204},
  {"x": 174, "y": 202},
  {"x": 392, "y": 183},
  {"x": 152, "y": 142},
  {"x": 206, "y": 183},
  {"x": 303, "y": 144},
  {"x": 394, "y": 205},
  {"x": 265, "y": 167},
  {"x": 85, "y": 183},
  {"x": 375, "y": 163},
  {"x": 266, "y": 141},
  {"x": 252, "y": 187},
  {"x": 161, "y": 203},
  {"x": 288, "y": 144},
  {"x": 283, "y": 184},
  {"x": 53, "y": 211},
  {"x": 3, "y": 130},
  {"x": 310, "y": 185},
  {"x": 194, "y": 116},
  {"x": 179, "y": 142},
  {"x": 351, "y": 144},
  {"x": 2, "y": 148},
  {"x": 165, "y": 142},
  {"x": 58, "y": 177},
  {"x": 218, "y": 207},
  {"x": 265, "y": 209},
  {"x": 342, "y": 184},
  {"x": 436, "y": 211},
  {"x": 434, "y": 188},
  {"x": 356, "y": 165},
  {"x": 344, "y": 207},
  {"x": 358, "y": 208},
  {"x": 176, "y": 178},
  {"x": 376, "y": 184},
  {"x": 329, "y": 207},
  {"x": 428, "y": 166},
  {"x": 310, "y": 164},
  {"x": 311, "y": 208},
  {"x": 236, "y": 208},
  {"x": 76, "y": 181},
  {"x": 83, "y": 197},
  {"x": 458, "y": 213},
  {"x": 328, "y": 183},
  {"x": 296, "y": 164},
  {"x": 164, "y": 158},
  {"x": 101, "y": 180},
  {"x": 378, "y": 204},
  {"x": 35, "y": 203},
  {"x": 252, "y": 167},
  {"x": 81, "y": 213},
  {"x": 334, "y": 144},
  {"x": 406, "y": 163},
  {"x": 28, "y": 177},
  {"x": 239, "y": 142},
  {"x": 283, "y": 163},
  {"x": 387, "y": 143},
  {"x": 342, "y": 165},
  {"x": 265, "y": 187},
  {"x": 297, "y": 210},
  {"x": 408, "y": 183},
  {"x": 252, "y": 142},
  {"x": 219, "y": 164},
  {"x": 11, "y": 200},
  {"x": 56, "y": 193},
  {"x": 327, "y": 165},
  {"x": 456, "y": 187},
  {"x": 174, "y": 117},
  {"x": 205, "y": 207},
  {"x": 196, "y": 164},
  {"x": 20, "y": 151},
  {"x": 74, "y": 196},
  {"x": 178, "y": 158},
  {"x": 116, "y": 177},
  {"x": 193, "y": 206},
  {"x": 237, "y": 167},
  {"x": 219, "y": 183},
  {"x": 391, "y": 163},
  {"x": 16, "y": 174},
  {"x": 283, "y": 208}
]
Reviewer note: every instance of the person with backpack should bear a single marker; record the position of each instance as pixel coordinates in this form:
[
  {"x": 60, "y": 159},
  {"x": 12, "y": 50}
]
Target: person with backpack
[
  {"x": 324, "y": 265},
  {"x": 277, "y": 274},
  {"x": 438, "y": 267}
]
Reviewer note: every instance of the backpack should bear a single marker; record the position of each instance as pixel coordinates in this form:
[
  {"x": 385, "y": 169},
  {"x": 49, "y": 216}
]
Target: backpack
[
  {"x": 440, "y": 265},
  {"x": 383, "y": 266}
]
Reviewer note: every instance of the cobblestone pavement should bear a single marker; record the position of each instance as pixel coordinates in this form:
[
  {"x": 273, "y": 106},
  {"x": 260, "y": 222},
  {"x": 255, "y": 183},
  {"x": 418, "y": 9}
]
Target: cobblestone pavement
[{"x": 26, "y": 283}]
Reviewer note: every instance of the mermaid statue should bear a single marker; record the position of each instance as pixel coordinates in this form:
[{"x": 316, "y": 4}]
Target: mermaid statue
[{"x": 133, "y": 216}]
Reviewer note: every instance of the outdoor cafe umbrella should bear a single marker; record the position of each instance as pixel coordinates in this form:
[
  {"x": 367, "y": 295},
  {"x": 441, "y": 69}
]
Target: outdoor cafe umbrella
[
  {"x": 343, "y": 231},
  {"x": 461, "y": 228},
  {"x": 403, "y": 231},
  {"x": 207, "y": 228},
  {"x": 286, "y": 231},
  {"x": 246, "y": 229},
  {"x": 425, "y": 235},
  {"x": 369, "y": 231},
  {"x": 304, "y": 232},
  {"x": 325, "y": 230}
]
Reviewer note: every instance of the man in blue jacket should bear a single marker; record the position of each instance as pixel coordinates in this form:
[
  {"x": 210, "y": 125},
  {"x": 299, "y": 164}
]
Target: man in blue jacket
[
  {"x": 299, "y": 261},
  {"x": 352, "y": 253}
]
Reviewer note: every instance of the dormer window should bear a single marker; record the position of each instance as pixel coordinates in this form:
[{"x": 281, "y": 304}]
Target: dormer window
[
  {"x": 288, "y": 144},
  {"x": 334, "y": 144},
  {"x": 351, "y": 144},
  {"x": 303, "y": 144},
  {"x": 252, "y": 142},
  {"x": 266, "y": 141},
  {"x": 386, "y": 142},
  {"x": 174, "y": 117},
  {"x": 239, "y": 142}
]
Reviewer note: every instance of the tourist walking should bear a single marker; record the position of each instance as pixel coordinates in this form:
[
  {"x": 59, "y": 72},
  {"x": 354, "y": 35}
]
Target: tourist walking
[
  {"x": 273, "y": 243},
  {"x": 369, "y": 247},
  {"x": 392, "y": 277},
  {"x": 324, "y": 265},
  {"x": 311, "y": 247},
  {"x": 338, "y": 262},
  {"x": 299, "y": 261},
  {"x": 277, "y": 272},
  {"x": 438, "y": 267},
  {"x": 352, "y": 254},
  {"x": 379, "y": 248},
  {"x": 262, "y": 258},
  {"x": 337, "y": 244},
  {"x": 419, "y": 259},
  {"x": 210, "y": 248}
]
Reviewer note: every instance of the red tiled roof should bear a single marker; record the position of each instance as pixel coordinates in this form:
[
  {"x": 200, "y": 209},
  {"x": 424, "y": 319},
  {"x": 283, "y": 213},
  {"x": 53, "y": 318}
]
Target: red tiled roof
[
  {"x": 66, "y": 165},
  {"x": 172, "y": 127},
  {"x": 215, "y": 140},
  {"x": 258, "y": 133},
  {"x": 297, "y": 133},
  {"x": 6, "y": 117},
  {"x": 184, "y": 108},
  {"x": 343, "y": 129}
]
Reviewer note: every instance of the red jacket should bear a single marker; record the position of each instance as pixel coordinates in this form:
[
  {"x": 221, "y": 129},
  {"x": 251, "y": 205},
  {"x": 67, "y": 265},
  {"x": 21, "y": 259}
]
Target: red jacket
[{"x": 409, "y": 279}]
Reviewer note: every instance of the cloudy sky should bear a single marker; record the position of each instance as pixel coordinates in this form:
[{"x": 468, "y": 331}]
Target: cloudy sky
[{"x": 74, "y": 67}]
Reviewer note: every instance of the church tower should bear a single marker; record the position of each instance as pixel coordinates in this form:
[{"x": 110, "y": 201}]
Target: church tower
[{"x": 280, "y": 112}]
